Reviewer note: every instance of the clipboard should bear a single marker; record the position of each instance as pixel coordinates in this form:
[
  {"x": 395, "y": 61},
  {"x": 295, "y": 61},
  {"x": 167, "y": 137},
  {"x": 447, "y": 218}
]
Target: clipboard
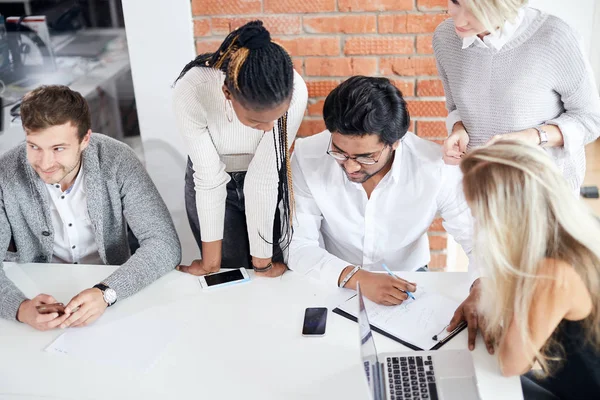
[{"x": 412, "y": 346}]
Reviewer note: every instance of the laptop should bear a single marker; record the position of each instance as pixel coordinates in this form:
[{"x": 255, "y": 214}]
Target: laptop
[{"x": 416, "y": 375}]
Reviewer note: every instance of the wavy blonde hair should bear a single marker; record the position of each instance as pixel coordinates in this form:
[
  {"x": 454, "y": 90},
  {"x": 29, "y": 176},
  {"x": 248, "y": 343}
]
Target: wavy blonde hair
[
  {"x": 494, "y": 13},
  {"x": 525, "y": 211}
]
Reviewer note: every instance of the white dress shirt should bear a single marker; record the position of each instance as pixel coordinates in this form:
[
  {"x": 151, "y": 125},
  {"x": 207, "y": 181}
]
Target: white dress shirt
[
  {"x": 74, "y": 239},
  {"x": 336, "y": 225}
]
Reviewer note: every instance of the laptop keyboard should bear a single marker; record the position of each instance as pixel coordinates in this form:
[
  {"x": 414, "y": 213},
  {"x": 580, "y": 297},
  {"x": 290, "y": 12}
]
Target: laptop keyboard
[{"x": 411, "y": 378}]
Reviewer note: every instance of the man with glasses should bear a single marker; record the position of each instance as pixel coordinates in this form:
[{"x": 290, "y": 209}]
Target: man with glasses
[{"x": 367, "y": 191}]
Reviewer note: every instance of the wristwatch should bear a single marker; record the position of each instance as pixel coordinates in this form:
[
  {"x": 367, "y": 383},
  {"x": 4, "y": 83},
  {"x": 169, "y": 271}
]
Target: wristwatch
[
  {"x": 543, "y": 135},
  {"x": 110, "y": 296}
]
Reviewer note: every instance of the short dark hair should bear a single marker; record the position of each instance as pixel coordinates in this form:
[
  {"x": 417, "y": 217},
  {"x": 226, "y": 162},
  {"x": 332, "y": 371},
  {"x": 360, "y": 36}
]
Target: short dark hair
[
  {"x": 365, "y": 105},
  {"x": 54, "y": 105}
]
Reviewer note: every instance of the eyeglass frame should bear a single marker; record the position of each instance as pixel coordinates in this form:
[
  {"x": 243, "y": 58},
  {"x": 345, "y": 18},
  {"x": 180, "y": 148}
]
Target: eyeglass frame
[{"x": 355, "y": 159}]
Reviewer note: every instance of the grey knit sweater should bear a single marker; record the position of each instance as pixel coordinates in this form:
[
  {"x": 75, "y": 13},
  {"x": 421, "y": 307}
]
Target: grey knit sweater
[
  {"x": 119, "y": 193},
  {"x": 539, "y": 77}
]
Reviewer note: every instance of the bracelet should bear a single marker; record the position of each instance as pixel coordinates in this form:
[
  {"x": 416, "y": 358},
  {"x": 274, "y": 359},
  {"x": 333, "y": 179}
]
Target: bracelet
[
  {"x": 350, "y": 275},
  {"x": 264, "y": 269}
]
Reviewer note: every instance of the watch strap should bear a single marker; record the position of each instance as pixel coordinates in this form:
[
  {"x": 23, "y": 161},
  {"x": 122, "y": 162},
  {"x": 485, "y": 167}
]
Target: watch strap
[
  {"x": 542, "y": 134},
  {"x": 103, "y": 288}
]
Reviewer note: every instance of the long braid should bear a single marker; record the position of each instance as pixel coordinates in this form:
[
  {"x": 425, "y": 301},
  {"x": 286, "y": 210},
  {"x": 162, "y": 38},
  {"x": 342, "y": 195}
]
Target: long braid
[{"x": 260, "y": 75}]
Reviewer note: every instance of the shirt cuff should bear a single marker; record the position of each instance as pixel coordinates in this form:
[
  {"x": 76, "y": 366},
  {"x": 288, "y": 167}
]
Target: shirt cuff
[
  {"x": 574, "y": 139},
  {"x": 452, "y": 118},
  {"x": 330, "y": 272}
]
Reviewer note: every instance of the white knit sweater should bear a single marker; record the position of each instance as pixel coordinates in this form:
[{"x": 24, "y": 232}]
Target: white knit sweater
[
  {"x": 217, "y": 146},
  {"x": 540, "y": 76}
]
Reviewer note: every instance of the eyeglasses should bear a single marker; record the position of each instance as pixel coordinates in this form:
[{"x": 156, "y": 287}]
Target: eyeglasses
[{"x": 363, "y": 160}]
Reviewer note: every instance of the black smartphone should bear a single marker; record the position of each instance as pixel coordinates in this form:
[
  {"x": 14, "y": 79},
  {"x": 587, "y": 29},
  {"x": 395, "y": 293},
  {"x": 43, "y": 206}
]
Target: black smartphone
[{"x": 315, "y": 320}]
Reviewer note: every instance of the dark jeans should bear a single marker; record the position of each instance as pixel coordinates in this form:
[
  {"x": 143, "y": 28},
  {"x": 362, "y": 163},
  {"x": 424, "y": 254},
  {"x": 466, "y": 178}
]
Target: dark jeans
[{"x": 236, "y": 248}]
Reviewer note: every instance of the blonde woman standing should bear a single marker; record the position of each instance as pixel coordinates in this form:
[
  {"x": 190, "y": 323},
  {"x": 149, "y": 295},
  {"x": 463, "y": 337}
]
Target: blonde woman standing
[
  {"x": 541, "y": 294},
  {"x": 515, "y": 72}
]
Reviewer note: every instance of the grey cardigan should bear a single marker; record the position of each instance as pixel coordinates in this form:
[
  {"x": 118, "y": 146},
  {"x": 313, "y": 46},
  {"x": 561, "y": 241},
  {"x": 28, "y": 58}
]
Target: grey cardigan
[{"x": 119, "y": 193}]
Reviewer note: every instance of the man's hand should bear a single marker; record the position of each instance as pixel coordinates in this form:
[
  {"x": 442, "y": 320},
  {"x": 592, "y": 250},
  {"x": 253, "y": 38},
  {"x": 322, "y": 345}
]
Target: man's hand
[
  {"x": 278, "y": 269},
  {"x": 456, "y": 145},
  {"x": 28, "y": 313},
  {"x": 382, "y": 288},
  {"x": 467, "y": 311},
  {"x": 198, "y": 268},
  {"x": 90, "y": 305}
]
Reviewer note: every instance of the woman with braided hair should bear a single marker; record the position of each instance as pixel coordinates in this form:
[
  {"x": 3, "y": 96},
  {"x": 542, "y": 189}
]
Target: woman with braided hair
[{"x": 238, "y": 110}]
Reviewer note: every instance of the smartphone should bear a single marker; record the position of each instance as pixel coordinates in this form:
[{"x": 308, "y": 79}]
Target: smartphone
[
  {"x": 51, "y": 308},
  {"x": 224, "y": 278},
  {"x": 315, "y": 320}
]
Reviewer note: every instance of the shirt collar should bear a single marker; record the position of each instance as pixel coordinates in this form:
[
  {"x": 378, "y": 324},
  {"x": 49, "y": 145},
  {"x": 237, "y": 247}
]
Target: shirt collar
[
  {"x": 78, "y": 178},
  {"x": 498, "y": 38}
]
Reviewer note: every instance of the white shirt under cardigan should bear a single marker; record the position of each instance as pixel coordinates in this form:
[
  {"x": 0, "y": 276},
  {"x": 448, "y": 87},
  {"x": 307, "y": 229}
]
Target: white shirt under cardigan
[
  {"x": 532, "y": 71},
  {"x": 74, "y": 238},
  {"x": 217, "y": 146},
  {"x": 336, "y": 225}
]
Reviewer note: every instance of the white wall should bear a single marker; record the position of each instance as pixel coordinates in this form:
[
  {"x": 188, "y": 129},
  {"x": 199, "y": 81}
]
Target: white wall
[
  {"x": 584, "y": 16},
  {"x": 161, "y": 41}
]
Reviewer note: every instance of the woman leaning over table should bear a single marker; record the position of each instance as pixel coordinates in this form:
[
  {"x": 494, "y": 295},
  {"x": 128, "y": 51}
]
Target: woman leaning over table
[
  {"x": 540, "y": 295},
  {"x": 513, "y": 72},
  {"x": 238, "y": 110}
]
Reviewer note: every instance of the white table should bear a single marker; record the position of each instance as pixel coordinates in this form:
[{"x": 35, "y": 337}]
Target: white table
[{"x": 242, "y": 341}]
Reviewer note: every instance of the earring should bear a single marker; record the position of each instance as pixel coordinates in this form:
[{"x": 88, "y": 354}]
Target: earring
[{"x": 229, "y": 110}]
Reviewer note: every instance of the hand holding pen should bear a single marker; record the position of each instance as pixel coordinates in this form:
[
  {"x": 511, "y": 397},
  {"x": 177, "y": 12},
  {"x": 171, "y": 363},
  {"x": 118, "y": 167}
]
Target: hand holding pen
[{"x": 409, "y": 294}]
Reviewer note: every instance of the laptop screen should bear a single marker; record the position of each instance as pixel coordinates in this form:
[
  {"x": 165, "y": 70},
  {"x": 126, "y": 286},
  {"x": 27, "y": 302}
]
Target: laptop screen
[{"x": 368, "y": 351}]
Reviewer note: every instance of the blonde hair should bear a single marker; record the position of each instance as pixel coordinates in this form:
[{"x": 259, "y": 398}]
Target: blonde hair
[
  {"x": 492, "y": 14},
  {"x": 525, "y": 211}
]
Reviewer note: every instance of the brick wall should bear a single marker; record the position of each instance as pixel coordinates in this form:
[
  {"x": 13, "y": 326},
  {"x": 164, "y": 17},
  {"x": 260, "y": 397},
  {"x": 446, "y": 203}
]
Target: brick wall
[{"x": 330, "y": 40}]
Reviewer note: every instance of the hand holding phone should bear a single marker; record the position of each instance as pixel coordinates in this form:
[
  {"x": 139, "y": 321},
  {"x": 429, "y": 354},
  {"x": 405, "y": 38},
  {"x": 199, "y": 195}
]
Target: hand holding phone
[
  {"x": 51, "y": 308},
  {"x": 315, "y": 320}
]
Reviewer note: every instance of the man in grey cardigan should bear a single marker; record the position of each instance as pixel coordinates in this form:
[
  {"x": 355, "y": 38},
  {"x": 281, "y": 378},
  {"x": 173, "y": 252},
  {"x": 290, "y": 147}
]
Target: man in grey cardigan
[{"x": 68, "y": 196}]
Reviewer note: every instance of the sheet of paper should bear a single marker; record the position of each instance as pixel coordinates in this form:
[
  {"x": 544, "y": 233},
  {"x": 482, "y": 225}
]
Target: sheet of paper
[
  {"x": 414, "y": 321},
  {"x": 134, "y": 342}
]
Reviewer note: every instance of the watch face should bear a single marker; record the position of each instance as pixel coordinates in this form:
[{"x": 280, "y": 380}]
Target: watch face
[{"x": 110, "y": 296}]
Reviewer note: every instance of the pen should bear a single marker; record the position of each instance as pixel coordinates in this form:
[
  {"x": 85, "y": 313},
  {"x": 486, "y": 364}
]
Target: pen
[{"x": 392, "y": 274}]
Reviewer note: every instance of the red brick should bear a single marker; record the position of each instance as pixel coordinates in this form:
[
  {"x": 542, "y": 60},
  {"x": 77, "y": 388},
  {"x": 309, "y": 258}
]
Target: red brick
[
  {"x": 438, "y": 261},
  {"x": 375, "y": 5},
  {"x": 406, "y": 87},
  {"x": 392, "y": 23},
  {"x": 315, "y": 108},
  {"x": 408, "y": 66},
  {"x": 410, "y": 23},
  {"x": 379, "y": 45},
  {"x": 225, "y": 7},
  {"x": 436, "y": 141},
  {"x": 277, "y": 25},
  {"x": 298, "y": 65},
  {"x": 424, "y": 23},
  {"x": 207, "y": 46},
  {"x": 438, "y": 242},
  {"x": 430, "y": 5},
  {"x": 436, "y": 226},
  {"x": 201, "y": 27},
  {"x": 311, "y": 46},
  {"x": 419, "y": 108},
  {"x": 321, "y": 88},
  {"x": 311, "y": 126},
  {"x": 424, "y": 44},
  {"x": 411, "y": 127},
  {"x": 298, "y": 6},
  {"x": 432, "y": 129},
  {"x": 341, "y": 24},
  {"x": 430, "y": 88},
  {"x": 340, "y": 66}
]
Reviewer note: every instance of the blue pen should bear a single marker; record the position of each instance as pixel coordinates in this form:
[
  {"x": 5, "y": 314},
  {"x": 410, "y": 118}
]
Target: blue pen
[{"x": 392, "y": 274}]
